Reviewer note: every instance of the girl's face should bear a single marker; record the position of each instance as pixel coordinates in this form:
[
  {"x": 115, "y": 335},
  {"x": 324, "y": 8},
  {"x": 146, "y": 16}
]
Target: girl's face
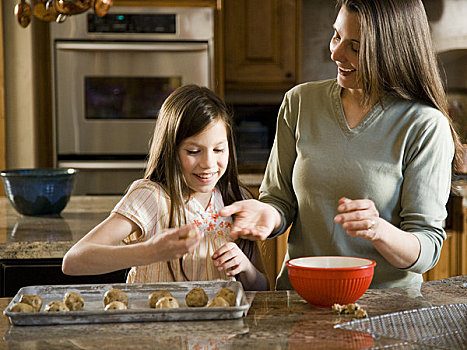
[
  {"x": 344, "y": 46},
  {"x": 204, "y": 158}
]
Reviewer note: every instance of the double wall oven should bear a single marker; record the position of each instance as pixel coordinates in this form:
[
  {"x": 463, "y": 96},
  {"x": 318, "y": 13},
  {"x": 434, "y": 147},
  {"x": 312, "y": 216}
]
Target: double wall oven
[{"x": 110, "y": 77}]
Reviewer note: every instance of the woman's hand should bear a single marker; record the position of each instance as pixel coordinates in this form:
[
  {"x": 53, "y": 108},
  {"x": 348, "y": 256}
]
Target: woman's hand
[
  {"x": 231, "y": 259},
  {"x": 358, "y": 217},
  {"x": 253, "y": 220},
  {"x": 173, "y": 243}
]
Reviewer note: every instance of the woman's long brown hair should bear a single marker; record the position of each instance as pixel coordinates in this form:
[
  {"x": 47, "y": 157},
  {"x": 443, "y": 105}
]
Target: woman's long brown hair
[{"x": 396, "y": 56}]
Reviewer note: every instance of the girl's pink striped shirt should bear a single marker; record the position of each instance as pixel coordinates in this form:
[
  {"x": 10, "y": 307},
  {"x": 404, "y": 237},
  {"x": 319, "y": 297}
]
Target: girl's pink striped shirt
[{"x": 147, "y": 204}]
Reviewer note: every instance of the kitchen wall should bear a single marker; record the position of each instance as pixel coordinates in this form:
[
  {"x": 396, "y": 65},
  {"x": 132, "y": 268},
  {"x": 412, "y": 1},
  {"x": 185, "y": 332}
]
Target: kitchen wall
[
  {"x": 19, "y": 109},
  {"x": 317, "y": 20},
  {"x": 447, "y": 20},
  {"x": 449, "y": 32}
]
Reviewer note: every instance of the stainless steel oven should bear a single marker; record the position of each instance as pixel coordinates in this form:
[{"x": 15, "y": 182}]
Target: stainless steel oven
[{"x": 110, "y": 77}]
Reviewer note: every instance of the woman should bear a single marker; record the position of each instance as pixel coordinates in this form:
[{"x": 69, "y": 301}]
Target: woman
[{"x": 361, "y": 164}]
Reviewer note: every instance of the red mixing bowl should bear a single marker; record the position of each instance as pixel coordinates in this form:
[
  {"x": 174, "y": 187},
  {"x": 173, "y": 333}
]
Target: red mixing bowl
[{"x": 327, "y": 280}]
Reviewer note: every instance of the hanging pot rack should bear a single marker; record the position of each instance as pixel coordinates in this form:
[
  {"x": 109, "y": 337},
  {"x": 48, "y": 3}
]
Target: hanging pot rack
[{"x": 57, "y": 10}]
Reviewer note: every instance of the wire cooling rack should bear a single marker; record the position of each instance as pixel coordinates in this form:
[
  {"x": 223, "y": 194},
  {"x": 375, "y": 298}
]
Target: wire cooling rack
[{"x": 438, "y": 327}]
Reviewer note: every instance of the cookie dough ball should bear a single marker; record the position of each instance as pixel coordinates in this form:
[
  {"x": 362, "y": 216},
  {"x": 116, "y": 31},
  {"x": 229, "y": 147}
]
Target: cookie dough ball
[
  {"x": 338, "y": 309},
  {"x": 115, "y": 305},
  {"x": 154, "y": 297},
  {"x": 31, "y": 299},
  {"x": 360, "y": 313},
  {"x": 167, "y": 303},
  {"x": 21, "y": 307},
  {"x": 74, "y": 301},
  {"x": 228, "y": 294},
  {"x": 115, "y": 295},
  {"x": 56, "y": 306},
  {"x": 196, "y": 297},
  {"x": 218, "y": 302},
  {"x": 351, "y": 308}
]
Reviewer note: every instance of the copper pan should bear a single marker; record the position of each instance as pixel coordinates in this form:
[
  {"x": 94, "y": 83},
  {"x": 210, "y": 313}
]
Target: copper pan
[
  {"x": 101, "y": 7},
  {"x": 72, "y": 7},
  {"x": 23, "y": 13},
  {"x": 44, "y": 10}
]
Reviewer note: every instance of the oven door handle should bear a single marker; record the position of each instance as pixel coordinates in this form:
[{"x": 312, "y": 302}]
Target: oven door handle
[
  {"x": 101, "y": 165},
  {"x": 105, "y": 46}
]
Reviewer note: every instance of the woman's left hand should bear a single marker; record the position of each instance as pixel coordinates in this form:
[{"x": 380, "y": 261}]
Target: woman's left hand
[
  {"x": 358, "y": 217},
  {"x": 230, "y": 258}
]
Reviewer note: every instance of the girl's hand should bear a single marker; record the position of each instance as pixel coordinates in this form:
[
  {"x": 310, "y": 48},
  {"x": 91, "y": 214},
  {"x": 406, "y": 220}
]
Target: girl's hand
[
  {"x": 173, "y": 243},
  {"x": 253, "y": 220},
  {"x": 231, "y": 259},
  {"x": 358, "y": 217}
]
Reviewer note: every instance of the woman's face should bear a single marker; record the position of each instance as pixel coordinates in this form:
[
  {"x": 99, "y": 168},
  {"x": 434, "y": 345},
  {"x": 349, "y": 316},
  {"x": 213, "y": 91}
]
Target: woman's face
[
  {"x": 204, "y": 158},
  {"x": 344, "y": 46}
]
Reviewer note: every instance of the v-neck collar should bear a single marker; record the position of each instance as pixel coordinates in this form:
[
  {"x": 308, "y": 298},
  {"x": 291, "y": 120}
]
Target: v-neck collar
[{"x": 372, "y": 114}]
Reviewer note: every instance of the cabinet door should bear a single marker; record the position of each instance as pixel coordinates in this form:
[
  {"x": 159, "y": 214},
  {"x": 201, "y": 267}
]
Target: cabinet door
[
  {"x": 453, "y": 258},
  {"x": 22, "y": 273},
  {"x": 261, "y": 50},
  {"x": 272, "y": 250}
]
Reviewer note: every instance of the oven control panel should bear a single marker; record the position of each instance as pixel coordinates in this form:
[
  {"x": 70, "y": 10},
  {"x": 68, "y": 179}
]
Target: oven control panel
[{"x": 162, "y": 23}]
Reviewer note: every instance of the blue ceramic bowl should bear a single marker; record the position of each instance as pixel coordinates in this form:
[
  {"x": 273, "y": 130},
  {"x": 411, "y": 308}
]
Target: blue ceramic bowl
[{"x": 39, "y": 191}]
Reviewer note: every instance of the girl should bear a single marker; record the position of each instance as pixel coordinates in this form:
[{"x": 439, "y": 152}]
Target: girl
[{"x": 167, "y": 225}]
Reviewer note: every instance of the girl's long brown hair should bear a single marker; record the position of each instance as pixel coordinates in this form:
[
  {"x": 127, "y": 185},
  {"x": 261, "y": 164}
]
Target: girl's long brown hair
[
  {"x": 187, "y": 112},
  {"x": 396, "y": 55}
]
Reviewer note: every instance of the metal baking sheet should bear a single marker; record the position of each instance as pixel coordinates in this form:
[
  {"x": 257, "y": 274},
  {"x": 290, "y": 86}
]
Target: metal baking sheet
[{"x": 138, "y": 308}]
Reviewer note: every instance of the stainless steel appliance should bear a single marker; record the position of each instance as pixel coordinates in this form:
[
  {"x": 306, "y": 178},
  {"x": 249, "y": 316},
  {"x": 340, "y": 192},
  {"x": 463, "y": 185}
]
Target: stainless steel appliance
[{"x": 110, "y": 77}]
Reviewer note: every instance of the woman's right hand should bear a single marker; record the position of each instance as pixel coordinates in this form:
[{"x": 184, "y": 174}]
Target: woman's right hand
[
  {"x": 173, "y": 243},
  {"x": 254, "y": 220}
]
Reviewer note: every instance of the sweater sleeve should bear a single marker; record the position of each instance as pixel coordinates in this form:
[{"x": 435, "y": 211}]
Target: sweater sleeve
[
  {"x": 276, "y": 188},
  {"x": 426, "y": 188}
]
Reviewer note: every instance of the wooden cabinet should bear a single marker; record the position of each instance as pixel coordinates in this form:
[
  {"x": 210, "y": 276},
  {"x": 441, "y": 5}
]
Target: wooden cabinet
[
  {"x": 453, "y": 259},
  {"x": 261, "y": 44},
  {"x": 272, "y": 250}
]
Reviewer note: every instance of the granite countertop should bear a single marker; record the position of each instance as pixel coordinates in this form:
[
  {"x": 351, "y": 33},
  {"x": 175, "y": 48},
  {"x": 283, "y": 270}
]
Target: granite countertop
[
  {"x": 43, "y": 237},
  {"x": 275, "y": 320}
]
